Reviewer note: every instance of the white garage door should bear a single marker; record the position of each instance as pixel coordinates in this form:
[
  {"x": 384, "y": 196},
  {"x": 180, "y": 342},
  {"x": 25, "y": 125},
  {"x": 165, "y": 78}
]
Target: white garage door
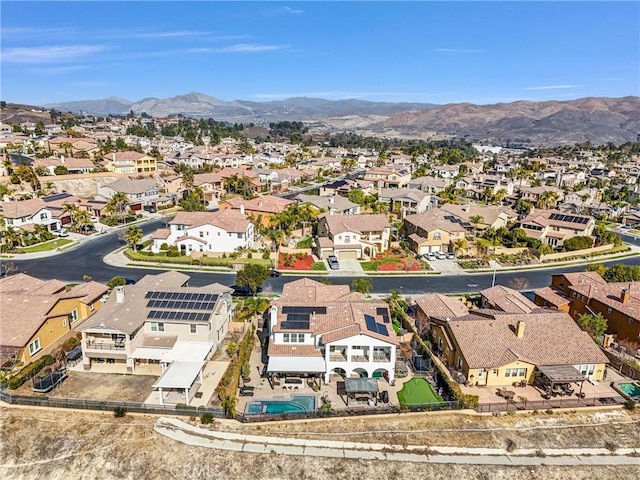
[{"x": 347, "y": 255}]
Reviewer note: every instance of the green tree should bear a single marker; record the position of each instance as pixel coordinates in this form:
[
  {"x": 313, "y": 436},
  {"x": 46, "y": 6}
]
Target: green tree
[
  {"x": 594, "y": 325},
  {"x": 116, "y": 281},
  {"x": 577, "y": 243},
  {"x": 252, "y": 276},
  {"x": 476, "y": 220},
  {"x": 117, "y": 205},
  {"x": 362, "y": 285},
  {"x": 356, "y": 196},
  {"x": 193, "y": 201},
  {"x": 133, "y": 236},
  {"x": 522, "y": 207}
]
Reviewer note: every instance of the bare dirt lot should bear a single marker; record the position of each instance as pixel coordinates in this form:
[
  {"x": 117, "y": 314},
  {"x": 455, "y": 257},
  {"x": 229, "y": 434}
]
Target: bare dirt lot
[
  {"x": 101, "y": 386},
  {"x": 56, "y": 444}
]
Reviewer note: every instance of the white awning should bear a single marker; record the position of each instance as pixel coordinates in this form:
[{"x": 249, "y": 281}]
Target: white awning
[
  {"x": 179, "y": 375},
  {"x": 296, "y": 365},
  {"x": 188, "y": 352},
  {"x": 148, "y": 353}
]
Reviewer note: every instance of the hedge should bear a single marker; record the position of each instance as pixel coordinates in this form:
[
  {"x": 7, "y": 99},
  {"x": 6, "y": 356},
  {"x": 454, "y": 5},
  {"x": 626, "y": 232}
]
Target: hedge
[
  {"x": 228, "y": 386},
  {"x": 183, "y": 260},
  {"x": 29, "y": 371}
]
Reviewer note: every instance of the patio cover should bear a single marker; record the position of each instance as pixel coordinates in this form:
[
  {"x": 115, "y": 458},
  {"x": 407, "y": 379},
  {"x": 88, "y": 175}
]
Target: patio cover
[
  {"x": 188, "y": 352},
  {"x": 561, "y": 373},
  {"x": 148, "y": 353},
  {"x": 296, "y": 365},
  {"x": 361, "y": 385},
  {"x": 179, "y": 375}
]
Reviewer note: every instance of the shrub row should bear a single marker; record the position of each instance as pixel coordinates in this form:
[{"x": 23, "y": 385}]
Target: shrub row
[
  {"x": 228, "y": 386},
  {"x": 29, "y": 371},
  {"x": 183, "y": 260}
]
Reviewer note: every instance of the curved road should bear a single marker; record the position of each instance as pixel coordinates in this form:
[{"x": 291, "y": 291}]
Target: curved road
[{"x": 87, "y": 259}]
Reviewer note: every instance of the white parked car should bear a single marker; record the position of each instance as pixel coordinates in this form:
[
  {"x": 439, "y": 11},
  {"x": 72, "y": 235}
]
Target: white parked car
[
  {"x": 441, "y": 255},
  {"x": 94, "y": 219},
  {"x": 61, "y": 233}
]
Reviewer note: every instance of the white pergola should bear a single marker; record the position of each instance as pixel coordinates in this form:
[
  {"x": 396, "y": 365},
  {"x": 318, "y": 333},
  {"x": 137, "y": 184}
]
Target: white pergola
[
  {"x": 180, "y": 375},
  {"x": 181, "y": 351}
]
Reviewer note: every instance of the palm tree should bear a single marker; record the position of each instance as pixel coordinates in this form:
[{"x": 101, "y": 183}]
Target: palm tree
[
  {"x": 133, "y": 236},
  {"x": 547, "y": 199},
  {"x": 476, "y": 220},
  {"x": 82, "y": 220},
  {"x": 500, "y": 195},
  {"x": 460, "y": 246},
  {"x": 117, "y": 205},
  {"x": 71, "y": 209}
]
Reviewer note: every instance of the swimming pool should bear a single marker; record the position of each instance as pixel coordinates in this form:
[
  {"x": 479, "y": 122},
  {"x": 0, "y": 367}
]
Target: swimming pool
[
  {"x": 631, "y": 389},
  {"x": 296, "y": 404}
]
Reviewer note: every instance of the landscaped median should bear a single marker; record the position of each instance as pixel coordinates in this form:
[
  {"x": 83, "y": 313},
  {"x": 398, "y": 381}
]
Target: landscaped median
[
  {"x": 46, "y": 246},
  {"x": 160, "y": 258}
]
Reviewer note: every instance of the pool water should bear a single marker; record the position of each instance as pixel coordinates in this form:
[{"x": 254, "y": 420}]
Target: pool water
[
  {"x": 631, "y": 389},
  {"x": 297, "y": 404}
]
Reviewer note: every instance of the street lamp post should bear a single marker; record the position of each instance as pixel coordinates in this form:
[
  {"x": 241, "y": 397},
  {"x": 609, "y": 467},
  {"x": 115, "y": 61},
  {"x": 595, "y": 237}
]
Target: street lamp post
[{"x": 495, "y": 266}]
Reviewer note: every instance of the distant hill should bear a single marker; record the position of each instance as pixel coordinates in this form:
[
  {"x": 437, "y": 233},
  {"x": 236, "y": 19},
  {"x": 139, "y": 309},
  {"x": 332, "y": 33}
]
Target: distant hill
[{"x": 596, "y": 119}]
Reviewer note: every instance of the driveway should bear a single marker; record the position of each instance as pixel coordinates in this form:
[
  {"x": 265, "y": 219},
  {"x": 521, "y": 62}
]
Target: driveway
[
  {"x": 450, "y": 267},
  {"x": 347, "y": 267}
]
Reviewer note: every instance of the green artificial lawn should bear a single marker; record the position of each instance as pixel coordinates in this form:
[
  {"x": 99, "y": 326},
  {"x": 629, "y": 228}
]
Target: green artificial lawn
[{"x": 417, "y": 391}]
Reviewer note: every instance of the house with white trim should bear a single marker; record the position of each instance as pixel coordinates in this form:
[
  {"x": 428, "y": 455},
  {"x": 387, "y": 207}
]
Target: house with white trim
[
  {"x": 221, "y": 231},
  {"x": 327, "y": 331},
  {"x": 159, "y": 321},
  {"x": 352, "y": 237}
]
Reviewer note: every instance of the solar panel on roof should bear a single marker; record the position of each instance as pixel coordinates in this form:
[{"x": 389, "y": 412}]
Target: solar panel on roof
[
  {"x": 371, "y": 323},
  {"x": 181, "y": 296},
  {"x": 382, "y": 329}
]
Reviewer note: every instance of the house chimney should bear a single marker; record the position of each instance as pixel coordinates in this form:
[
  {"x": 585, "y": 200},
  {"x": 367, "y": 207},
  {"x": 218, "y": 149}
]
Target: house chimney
[
  {"x": 119, "y": 294},
  {"x": 332, "y": 199},
  {"x": 61, "y": 158},
  {"x": 466, "y": 207},
  {"x": 520, "y": 329},
  {"x": 624, "y": 295},
  {"x": 273, "y": 316},
  {"x": 242, "y": 209}
]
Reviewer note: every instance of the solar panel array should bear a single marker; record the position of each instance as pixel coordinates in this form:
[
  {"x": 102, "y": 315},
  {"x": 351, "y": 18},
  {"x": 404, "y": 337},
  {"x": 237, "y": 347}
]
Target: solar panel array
[
  {"x": 384, "y": 313},
  {"x": 56, "y": 196},
  {"x": 569, "y": 218},
  {"x": 197, "y": 297},
  {"x": 167, "y": 315},
  {"x": 299, "y": 318},
  {"x": 375, "y": 327},
  {"x": 178, "y": 305}
]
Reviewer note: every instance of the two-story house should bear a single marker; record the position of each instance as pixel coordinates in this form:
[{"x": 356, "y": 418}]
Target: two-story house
[
  {"x": 432, "y": 185},
  {"x": 388, "y": 177},
  {"x": 553, "y": 227},
  {"x": 140, "y": 192},
  {"x": 434, "y": 231},
  {"x": 159, "y": 321},
  {"x": 261, "y": 209},
  {"x": 318, "y": 330},
  {"x": 352, "y": 237},
  {"x": 24, "y": 214},
  {"x": 38, "y": 315},
  {"x": 129, "y": 162},
  {"x": 335, "y": 205},
  {"x": 217, "y": 232},
  {"x": 588, "y": 293},
  {"x": 405, "y": 201}
]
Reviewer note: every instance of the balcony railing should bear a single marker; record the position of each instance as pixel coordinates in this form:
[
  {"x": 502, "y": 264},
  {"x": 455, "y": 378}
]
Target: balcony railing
[
  {"x": 105, "y": 346},
  {"x": 381, "y": 357},
  {"x": 337, "y": 357},
  {"x": 359, "y": 358}
]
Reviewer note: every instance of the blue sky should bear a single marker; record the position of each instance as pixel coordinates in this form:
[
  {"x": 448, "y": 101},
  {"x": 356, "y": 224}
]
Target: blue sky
[{"x": 479, "y": 52}]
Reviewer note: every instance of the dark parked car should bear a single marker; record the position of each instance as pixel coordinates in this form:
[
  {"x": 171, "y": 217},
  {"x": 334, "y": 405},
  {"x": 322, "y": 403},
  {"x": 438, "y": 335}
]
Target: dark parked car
[
  {"x": 239, "y": 291},
  {"x": 274, "y": 273},
  {"x": 129, "y": 281},
  {"x": 150, "y": 209}
]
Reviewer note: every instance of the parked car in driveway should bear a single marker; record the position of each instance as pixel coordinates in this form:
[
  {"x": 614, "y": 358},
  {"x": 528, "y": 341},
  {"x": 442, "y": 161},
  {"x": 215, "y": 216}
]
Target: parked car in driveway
[
  {"x": 274, "y": 273},
  {"x": 61, "y": 232},
  {"x": 451, "y": 256},
  {"x": 429, "y": 256},
  {"x": 333, "y": 263},
  {"x": 239, "y": 291},
  {"x": 441, "y": 255}
]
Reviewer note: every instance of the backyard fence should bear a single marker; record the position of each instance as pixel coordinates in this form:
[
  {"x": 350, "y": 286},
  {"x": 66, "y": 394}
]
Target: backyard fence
[
  {"x": 108, "y": 405},
  {"x": 512, "y": 406}
]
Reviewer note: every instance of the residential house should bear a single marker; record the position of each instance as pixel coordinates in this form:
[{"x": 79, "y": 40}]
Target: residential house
[
  {"x": 506, "y": 300},
  {"x": 388, "y": 177},
  {"x": 405, "y": 201},
  {"x": 335, "y": 205},
  {"x": 554, "y": 228},
  {"x": 38, "y": 315},
  {"x": 129, "y": 162},
  {"x": 542, "y": 195},
  {"x": 588, "y": 293},
  {"x": 434, "y": 231},
  {"x": 217, "y": 232},
  {"x": 325, "y": 331},
  {"x": 24, "y": 214},
  {"x": 430, "y": 185},
  {"x": 260, "y": 209},
  {"x": 160, "y": 321},
  {"x": 73, "y": 165},
  {"x": 351, "y": 237},
  {"x": 495, "y": 348},
  {"x": 140, "y": 192},
  {"x": 446, "y": 171},
  {"x": 491, "y": 215}
]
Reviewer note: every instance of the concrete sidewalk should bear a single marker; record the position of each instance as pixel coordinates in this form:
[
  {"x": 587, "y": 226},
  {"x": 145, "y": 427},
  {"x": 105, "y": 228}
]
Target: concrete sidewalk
[{"x": 202, "y": 437}]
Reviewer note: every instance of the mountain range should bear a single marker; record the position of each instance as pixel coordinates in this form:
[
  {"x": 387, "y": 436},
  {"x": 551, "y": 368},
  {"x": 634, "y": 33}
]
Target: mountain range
[{"x": 595, "y": 119}]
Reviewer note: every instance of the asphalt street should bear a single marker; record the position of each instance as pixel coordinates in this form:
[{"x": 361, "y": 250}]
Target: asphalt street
[{"x": 87, "y": 259}]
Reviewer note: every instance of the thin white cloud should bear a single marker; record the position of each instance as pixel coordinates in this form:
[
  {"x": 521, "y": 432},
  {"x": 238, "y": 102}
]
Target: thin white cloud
[
  {"x": 33, "y": 32},
  {"x": 551, "y": 87},
  {"x": 456, "y": 51},
  {"x": 239, "y": 48},
  {"x": 293, "y": 11},
  {"x": 60, "y": 70},
  {"x": 175, "y": 34},
  {"x": 49, "y": 54}
]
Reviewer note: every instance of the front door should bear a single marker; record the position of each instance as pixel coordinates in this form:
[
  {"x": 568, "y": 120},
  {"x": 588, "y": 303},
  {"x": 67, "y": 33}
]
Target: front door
[{"x": 482, "y": 376}]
